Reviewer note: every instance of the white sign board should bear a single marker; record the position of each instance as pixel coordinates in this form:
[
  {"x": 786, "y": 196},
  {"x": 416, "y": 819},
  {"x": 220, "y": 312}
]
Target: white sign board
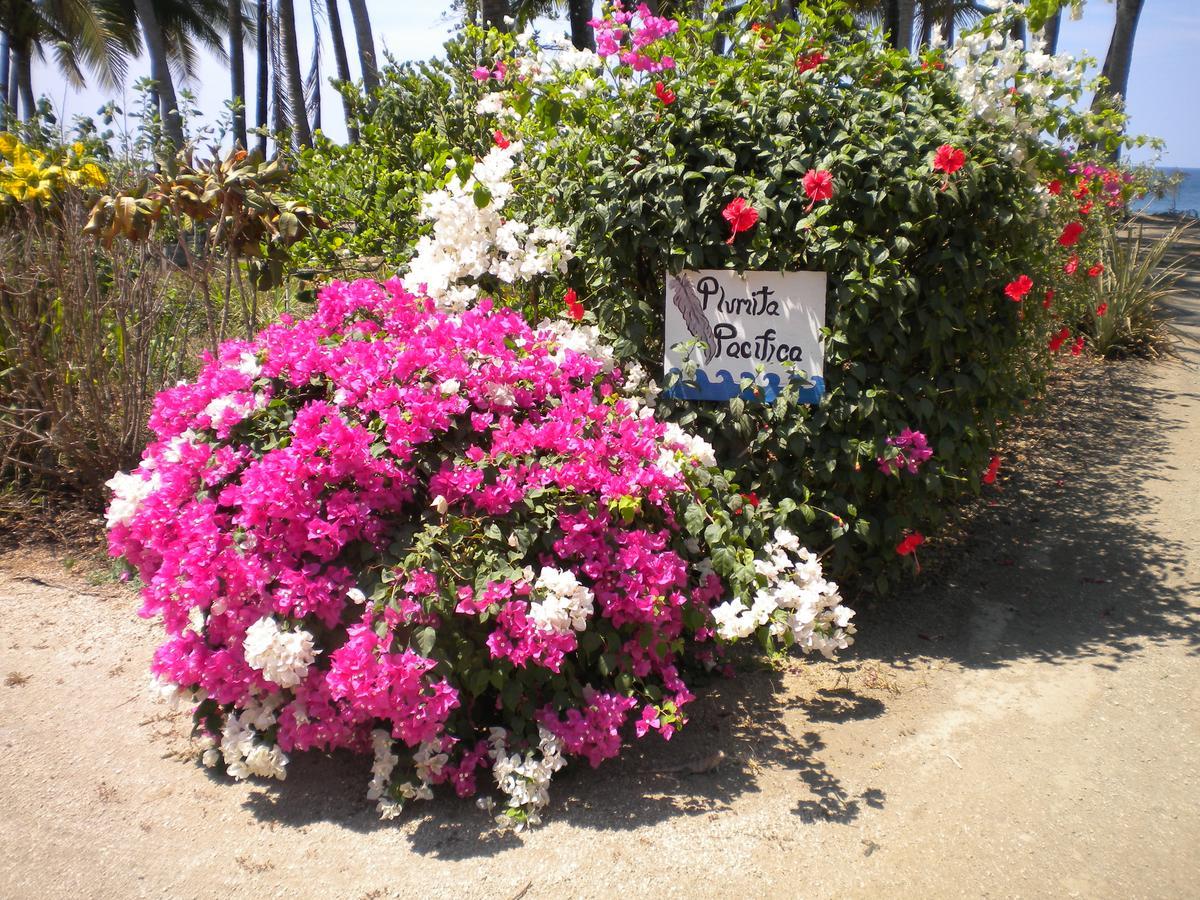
[{"x": 746, "y": 322}]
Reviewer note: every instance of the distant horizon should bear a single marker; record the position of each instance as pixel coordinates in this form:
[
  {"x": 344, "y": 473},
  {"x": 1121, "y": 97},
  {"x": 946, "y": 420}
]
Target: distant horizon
[{"x": 1168, "y": 33}]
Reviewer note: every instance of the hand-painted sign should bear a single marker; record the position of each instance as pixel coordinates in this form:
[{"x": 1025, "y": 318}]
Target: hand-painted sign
[{"x": 735, "y": 325}]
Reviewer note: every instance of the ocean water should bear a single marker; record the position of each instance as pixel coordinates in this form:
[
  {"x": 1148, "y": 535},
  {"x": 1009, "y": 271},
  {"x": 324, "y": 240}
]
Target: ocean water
[{"x": 1184, "y": 199}]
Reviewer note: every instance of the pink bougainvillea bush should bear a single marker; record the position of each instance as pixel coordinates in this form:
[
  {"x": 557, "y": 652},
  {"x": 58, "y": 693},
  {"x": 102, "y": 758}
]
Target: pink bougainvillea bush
[{"x": 453, "y": 540}]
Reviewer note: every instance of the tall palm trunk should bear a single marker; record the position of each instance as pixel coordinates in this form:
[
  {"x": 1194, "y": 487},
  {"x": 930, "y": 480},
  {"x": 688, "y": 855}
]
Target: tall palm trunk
[
  {"x": 1120, "y": 50},
  {"x": 295, "y": 81},
  {"x": 237, "y": 72},
  {"x": 263, "y": 87},
  {"x": 905, "y": 17},
  {"x": 580, "y": 13},
  {"x": 342, "y": 61},
  {"x": 5, "y": 57},
  {"x": 494, "y": 13},
  {"x": 23, "y": 77},
  {"x": 366, "y": 44},
  {"x": 1050, "y": 33},
  {"x": 160, "y": 72}
]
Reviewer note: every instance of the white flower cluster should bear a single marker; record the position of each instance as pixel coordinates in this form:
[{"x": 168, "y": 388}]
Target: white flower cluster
[
  {"x": 221, "y": 407},
  {"x": 243, "y": 754},
  {"x": 130, "y": 490},
  {"x": 469, "y": 241},
  {"x": 794, "y": 597},
  {"x": 428, "y": 761},
  {"x": 248, "y": 364},
  {"x": 578, "y": 337},
  {"x": 283, "y": 657},
  {"x": 172, "y": 694},
  {"x": 989, "y": 65},
  {"x": 680, "y": 447},
  {"x": 565, "y": 604},
  {"x": 525, "y": 780}
]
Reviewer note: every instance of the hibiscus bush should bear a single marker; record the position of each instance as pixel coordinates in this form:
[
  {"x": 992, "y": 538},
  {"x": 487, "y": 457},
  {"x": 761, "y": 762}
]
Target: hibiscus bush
[
  {"x": 457, "y": 541},
  {"x": 808, "y": 145}
]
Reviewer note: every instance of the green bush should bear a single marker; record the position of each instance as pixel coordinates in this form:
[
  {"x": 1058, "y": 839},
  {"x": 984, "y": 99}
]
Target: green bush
[{"x": 920, "y": 333}]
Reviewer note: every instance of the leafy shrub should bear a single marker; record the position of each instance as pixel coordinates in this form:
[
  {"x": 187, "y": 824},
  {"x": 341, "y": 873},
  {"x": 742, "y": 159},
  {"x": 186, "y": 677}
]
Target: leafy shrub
[
  {"x": 452, "y": 539},
  {"x": 86, "y": 338}
]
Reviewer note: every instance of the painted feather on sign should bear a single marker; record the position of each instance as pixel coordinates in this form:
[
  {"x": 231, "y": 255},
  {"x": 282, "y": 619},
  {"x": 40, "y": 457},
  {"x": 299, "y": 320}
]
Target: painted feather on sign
[{"x": 689, "y": 306}]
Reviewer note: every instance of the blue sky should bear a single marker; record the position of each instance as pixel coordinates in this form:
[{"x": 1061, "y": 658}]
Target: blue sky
[{"x": 1160, "y": 103}]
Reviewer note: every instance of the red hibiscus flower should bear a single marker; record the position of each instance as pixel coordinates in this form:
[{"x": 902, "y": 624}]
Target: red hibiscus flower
[
  {"x": 664, "y": 93},
  {"x": 741, "y": 216},
  {"x": 1055, "y": 187},
  {"x": 1017, "y": 289},
  {"x": 1101, "y": 310},
  {"x": 910, "y": 543},
  {"x": 501, "y": 141},
  {"x": 948, "y": 159},
  {"x": 1058, "y": 340},
  {"x": 574, "y": 307},
  {"x": 1070, "y": 234},
  {"x": 806, "y": 62},
  {"x": 989, "y": 477},
  {"x": 1049, "y": 298},
  {"x": 1071, "y": 265},
  {"x": 1077, "y": 347},
  {"x": 1096, "y": 269},
  {"x": 818, "y": 185}
]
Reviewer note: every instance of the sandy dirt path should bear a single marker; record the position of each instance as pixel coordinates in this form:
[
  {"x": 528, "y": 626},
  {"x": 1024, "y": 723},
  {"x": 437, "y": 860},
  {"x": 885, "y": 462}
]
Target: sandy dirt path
[{"x": 1023, "y": 722}]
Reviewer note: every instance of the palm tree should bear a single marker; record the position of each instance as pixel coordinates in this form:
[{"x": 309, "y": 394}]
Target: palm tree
[
  {"x": 1120, "y": 52},
  {"x": 579, "y": 13},
  {"x": 263, "y": 86},
  {"x": 494, "y": 13},
  {"x": 1051, "y": 30},
  {"x": 237, "y": 72},
  {"x": 366, "y": 45},
  {"x": 5, "y": 59},
  {"x": 160, "y": 71},
  {"x": 291, "y": 59},
  {"x": 75, "y": 29},
  {"x": 342, "y": 61}
]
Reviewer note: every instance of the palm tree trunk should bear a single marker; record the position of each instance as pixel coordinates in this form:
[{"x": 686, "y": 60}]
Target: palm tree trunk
[
  {"x": 237, "y": 73},
  {"x": 580, "y": 13},
  {"x": 5, "y": 57},
  {"x": 905, "y": 16},
  {"x": 342, "y": 61},
  {"x": 263, "y": 87},
  {"x": 160, "y": 72},
  {"x": 494, "y": 13},
  {"x": 1050, "y": 33},
  {"x": 23, "y": 77},
  {"x": 366, "y": 45},
  {"x": 891, "y": 20},
  {"x": 1120, "y": 50},
  {"x": 295, "y": 81}
]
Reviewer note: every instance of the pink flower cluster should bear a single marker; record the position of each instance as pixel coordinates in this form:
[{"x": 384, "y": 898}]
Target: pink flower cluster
[
  {"x": 643, "y": 31},
  {"x": 383, "y": 483},
  {"x": 912, "y": 451}
]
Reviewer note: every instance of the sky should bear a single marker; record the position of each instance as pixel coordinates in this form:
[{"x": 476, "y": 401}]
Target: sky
[{"x": 1160, "y": 103}]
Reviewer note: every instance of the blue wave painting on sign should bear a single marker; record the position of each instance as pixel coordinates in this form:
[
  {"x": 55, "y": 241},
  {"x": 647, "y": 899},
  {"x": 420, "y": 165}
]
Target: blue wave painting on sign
[{"x": 726, "y": 387}]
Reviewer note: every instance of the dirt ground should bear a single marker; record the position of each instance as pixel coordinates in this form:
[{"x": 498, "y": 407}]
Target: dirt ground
[{"x": 1023, "y": 722}]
